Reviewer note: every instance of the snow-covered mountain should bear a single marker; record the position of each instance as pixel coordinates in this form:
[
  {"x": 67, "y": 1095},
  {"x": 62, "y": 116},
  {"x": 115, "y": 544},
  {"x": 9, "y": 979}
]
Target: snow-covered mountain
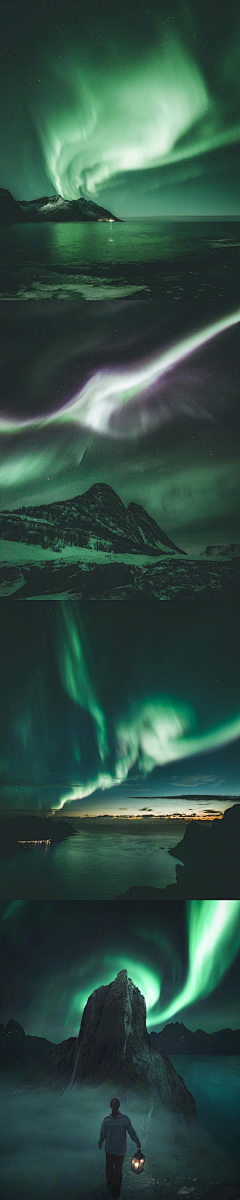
[
  {"x": 231, "y": 551},
  {"x": 50, "y": 208},
  {"x": 97, "y": 520}
]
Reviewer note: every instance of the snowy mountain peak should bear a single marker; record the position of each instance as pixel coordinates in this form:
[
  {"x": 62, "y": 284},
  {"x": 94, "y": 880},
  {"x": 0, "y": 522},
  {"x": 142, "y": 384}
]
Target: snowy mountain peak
[
  {"x": 51, "y": 208},
  {"x": 97, "y": 519}
]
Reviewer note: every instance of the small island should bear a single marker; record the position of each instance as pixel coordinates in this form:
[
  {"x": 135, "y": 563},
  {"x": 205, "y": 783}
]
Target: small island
[
  {"x": 25, "y": 832},
  {"x": 50, "y": 208}
]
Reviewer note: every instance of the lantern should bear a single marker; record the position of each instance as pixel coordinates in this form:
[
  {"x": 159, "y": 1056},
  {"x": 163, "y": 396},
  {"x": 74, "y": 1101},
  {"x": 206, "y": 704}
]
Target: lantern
[{"x": 137, "y": 1164}]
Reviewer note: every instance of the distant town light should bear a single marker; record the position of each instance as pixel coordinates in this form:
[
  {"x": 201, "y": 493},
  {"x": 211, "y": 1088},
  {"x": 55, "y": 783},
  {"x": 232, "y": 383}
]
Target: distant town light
[{"x": 34, "y": 841}]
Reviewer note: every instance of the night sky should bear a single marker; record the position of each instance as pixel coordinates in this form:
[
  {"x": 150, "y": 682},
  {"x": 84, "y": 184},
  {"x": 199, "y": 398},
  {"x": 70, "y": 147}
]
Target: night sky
[
  {"x": 137, "y": 107},
  {"x": 74, "y": 411},
  {"x": 122, "y": 708},
  {"x": 54, "y": 955},
  {"x": 113, "y": 707}
]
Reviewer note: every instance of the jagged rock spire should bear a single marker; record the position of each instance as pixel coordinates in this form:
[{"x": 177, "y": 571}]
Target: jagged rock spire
[{"x": 113, "y": 1046}]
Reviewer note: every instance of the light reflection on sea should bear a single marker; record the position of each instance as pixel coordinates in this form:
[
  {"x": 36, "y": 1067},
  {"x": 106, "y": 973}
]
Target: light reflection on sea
[{"x": 88, "y": 865}]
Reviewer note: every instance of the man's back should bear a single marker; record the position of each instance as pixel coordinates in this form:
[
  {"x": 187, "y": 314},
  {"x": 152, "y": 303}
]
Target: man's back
[{"x": 115, "y": 1129}]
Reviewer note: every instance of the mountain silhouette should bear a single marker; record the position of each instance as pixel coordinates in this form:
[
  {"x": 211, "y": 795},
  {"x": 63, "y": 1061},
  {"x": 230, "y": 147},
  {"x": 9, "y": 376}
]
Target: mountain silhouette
[
  {"x": 210, "y": 856},
  {"x": 230, "y": 551},
  {"x": 50, "y": 208},
  {"x": 175, "y": 1038},
  {"x": 96, "y": 520},
  {"x": 15, "y": 831},
  {"x": 113, "y": 1045}
]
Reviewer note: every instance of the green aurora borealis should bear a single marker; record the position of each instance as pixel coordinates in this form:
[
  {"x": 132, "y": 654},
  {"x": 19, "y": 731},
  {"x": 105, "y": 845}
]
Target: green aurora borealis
[
  {"x": 98, "y": 707},
  {"x": 214, "y": 940},
  {"x": 127, "y": 120},
  {"x": 139, "y": 108},
  {"x": 180, "y": 963},
  {"x": 106, "y": 394},
  {"x": 156, "y": 731},
  {"x": 213, "y": 944},
  {"x": 158, "y": 430},
  {"x": 119, "y": 368}
]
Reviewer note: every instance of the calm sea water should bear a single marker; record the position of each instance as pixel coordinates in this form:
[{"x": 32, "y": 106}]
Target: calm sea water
[
  {"x": 138, "y": 241},
  {"x": 190, "y": 261},
  {"x": 215, "y": 1085},
  {"x": 89, "y": 865}
]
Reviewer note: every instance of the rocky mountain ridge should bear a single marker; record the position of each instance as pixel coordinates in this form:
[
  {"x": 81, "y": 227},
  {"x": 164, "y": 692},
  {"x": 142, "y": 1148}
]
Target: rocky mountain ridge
[
  {"x": 113, "y": 1045},
  {"x": 180, "y": 1159},
  {"x": 19, "y": 1051},
  {"x": 175, "y": 1038},
  {"x": 15, "y": 832},
  {"x": 97, "y": 520},
  {"x": 231, "y": 551},
  {"x": 50, "y": 208},
  {"x": 210, "y": 856}
]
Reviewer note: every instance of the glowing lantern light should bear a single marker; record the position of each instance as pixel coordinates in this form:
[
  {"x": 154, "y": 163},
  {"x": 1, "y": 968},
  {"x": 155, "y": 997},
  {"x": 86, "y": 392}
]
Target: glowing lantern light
[{"x": 137, "y": 1164}]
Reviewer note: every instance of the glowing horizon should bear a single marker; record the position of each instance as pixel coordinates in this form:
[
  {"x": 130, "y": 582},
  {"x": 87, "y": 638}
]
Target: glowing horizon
[{"x": 149, "y": 816}]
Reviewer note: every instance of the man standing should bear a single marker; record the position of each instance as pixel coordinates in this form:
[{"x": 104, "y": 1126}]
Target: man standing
[{"x": 114, "y": 1128}]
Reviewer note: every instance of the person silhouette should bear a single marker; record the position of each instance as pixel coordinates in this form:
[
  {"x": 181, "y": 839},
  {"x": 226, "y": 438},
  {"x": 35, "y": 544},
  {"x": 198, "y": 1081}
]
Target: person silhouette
[{"x": 114, "y": 1128}]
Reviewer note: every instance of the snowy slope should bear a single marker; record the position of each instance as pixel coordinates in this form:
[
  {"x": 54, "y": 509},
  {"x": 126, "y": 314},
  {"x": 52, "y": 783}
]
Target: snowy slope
[
  {"x": 232, "y": 551},
  {"x": 51, "y": 208}
]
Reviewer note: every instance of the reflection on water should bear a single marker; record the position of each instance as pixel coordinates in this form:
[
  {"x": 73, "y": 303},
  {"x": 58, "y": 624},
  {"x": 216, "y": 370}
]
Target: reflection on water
[
  {"x": 88, "y": 865},
  {"x": 30, "y": 843},
  {"x": 95, "y": 245}
]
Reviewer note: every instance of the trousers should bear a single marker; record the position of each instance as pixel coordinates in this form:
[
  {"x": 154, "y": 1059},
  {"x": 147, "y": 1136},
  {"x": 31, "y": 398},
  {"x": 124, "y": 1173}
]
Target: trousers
[{"x": 114, "y": 1164}]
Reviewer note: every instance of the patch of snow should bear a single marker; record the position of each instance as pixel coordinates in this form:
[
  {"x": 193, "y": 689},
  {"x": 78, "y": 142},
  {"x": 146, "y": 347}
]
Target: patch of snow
[{"x": 15, "y": 553}]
